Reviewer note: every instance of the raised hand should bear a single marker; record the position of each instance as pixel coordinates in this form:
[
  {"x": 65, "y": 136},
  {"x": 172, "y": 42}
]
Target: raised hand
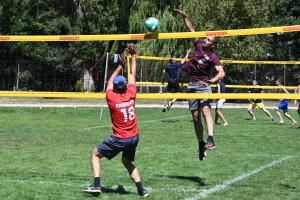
[
  {"x": 130, "y": 49},
  {"x": 122, "y": 59},
  {"x": 180, "y": 12}
]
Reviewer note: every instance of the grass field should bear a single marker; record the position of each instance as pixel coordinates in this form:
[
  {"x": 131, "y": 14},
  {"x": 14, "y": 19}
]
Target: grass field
[{"x": 45, "y": 155}]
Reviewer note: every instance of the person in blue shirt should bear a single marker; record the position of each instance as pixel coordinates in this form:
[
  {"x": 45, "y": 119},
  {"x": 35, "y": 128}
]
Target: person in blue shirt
[
  {"x": 220, "y": 103},
  {"x": 283, "y": 105},
  {"x": 173, "y": 70}
]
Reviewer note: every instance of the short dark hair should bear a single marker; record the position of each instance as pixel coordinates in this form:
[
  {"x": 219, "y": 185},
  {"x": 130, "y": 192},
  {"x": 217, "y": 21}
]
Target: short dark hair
[
  {"x": 279, "y": 80},
  {"x": 120, "y": 88},
  {"x": 215, "y": 41},
  {"x": 171, "y": 60}
]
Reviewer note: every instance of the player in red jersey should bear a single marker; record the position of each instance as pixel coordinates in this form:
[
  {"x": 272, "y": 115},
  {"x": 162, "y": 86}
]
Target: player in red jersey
[{"x": 121, "y": 102}]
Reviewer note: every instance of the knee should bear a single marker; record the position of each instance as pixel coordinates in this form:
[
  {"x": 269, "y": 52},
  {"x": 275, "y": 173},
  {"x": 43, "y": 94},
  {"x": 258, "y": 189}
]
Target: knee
[
  {"x": 195, "y": 120},
  {"x": 206, "y": 110},
  {"x": 195, "y": 116},
  {"x": 125, "y": 161},
  {"x": 95, "y": 153}
]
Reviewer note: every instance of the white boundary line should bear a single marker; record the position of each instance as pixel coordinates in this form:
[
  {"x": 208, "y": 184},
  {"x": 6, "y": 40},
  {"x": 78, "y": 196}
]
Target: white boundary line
[{"x": 204, "y": 193}]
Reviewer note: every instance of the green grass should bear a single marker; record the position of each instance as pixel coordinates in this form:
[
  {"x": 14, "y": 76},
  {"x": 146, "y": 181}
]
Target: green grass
[{"x": 45, "y": 155}]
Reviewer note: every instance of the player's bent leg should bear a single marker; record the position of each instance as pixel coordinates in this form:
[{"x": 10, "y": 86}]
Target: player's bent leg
[
  {"x": 210, "y": 144},
  {"x": 95, "y": 162},
  {"x": 216, "y": 116},
  {"x": 134, "y": 174},
  {"x": 208, "y": 119},
  {"x": 279, "y": 115},
  {"x": 269, "y": 114},
  {"x": 250, "y": 112},
  {"x": 220, "y": 114},
  {"x": 290, "y": 117},
  {"x": 95, "y": 188},
  {"x": 131, "y": 169}
]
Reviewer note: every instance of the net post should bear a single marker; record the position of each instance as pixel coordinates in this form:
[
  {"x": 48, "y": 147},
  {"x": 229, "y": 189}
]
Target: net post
[
  {"x": 104, "y": 84},
  {"x": 295, "y": 101},
  {"x": 141, "y": 75},
  {"x": 284, "y": 74}
]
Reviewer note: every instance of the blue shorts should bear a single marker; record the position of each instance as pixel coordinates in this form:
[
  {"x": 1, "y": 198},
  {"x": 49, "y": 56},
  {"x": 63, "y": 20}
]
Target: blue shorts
[
  {"x": 284, "y": 105},
  {"x": 195, "y": 87},
  {"x": 112, "y": 146}
]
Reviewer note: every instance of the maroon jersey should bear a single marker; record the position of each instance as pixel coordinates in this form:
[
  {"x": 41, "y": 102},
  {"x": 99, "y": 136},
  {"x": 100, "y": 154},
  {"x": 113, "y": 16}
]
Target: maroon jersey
[
  {"x": 122, "y": 110},
  {"x": 199, "y": 66}
]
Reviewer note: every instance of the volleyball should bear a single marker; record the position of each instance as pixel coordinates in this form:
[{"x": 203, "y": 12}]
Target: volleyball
[{"x": 152, "y": 24}]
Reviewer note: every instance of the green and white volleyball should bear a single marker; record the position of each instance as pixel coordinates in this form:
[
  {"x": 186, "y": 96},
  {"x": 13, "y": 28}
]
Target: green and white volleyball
[{"x": 152, "y": 24}]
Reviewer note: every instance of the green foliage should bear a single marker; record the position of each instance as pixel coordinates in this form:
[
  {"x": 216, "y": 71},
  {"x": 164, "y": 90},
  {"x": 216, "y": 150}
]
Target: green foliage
[
  {"x": 25, "y": 76},
  {"x": 79, "y": 86}
]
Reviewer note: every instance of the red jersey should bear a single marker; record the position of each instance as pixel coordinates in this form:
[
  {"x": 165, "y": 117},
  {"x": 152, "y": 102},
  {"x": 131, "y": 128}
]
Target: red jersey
[{"x": 122, "y": 112}]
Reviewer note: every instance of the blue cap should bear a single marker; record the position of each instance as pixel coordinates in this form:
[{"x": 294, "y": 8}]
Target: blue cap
[{"x": 120, "y": 82}]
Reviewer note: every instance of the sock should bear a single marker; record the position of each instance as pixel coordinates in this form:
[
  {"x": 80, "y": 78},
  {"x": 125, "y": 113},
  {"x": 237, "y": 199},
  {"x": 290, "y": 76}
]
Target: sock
[
  {"x": 210, "y": 137},
  {"x": 139, "y": 186},
  {"x": 97, "y": 181}
]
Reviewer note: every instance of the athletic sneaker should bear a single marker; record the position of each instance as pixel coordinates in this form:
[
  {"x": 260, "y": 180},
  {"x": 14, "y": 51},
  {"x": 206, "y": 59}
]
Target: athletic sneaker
[
  {"x": 210, "y": 144},
  {"x": 92, "y": 189},
  {"x": 273, "y": 119},
  {"x": 202, "y": 151},
  {"x": 253, "y": 118},
  {"x": 164, "y": 109},
  {"x": 143, "y": 193},
  {"x": 169, "y": 105}
]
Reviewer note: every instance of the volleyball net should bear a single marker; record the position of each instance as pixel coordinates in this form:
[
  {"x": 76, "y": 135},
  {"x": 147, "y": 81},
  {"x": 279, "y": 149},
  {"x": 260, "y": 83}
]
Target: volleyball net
[{"x": 23, "y": 77}]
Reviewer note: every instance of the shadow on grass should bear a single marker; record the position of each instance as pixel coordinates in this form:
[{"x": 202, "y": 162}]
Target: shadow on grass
[
  {"x": 190, "y": 178},
  {"x": 120, "y": 190},
  {"x": 169, "y": 121},
  {"x": 287, "y": 186}
]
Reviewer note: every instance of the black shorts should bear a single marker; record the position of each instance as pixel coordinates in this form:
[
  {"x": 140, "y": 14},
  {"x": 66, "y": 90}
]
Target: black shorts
[
  {"x": 173, "y": 85},
  {"x": 112, "y": 146}
]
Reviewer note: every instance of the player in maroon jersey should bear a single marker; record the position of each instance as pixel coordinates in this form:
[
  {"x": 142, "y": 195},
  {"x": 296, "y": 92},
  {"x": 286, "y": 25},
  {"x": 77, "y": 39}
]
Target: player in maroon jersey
[
  {"x": 198, "y": 69},
  {"x": 121, "y": 102}
]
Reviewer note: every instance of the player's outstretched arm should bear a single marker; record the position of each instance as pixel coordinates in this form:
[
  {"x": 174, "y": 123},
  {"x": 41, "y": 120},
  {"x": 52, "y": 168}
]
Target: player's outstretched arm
[
  {"x": 186, "y": 56},
  {"x": 121, "y": 64},
  {"x": 187, "y": 22},
  {"x": 285, "y": 91},
  {"x": 130, "y": 49}
]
